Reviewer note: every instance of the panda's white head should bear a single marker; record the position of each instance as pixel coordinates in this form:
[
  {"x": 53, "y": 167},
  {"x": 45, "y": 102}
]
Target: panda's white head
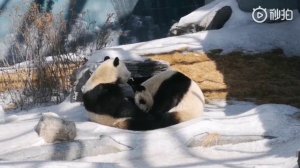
[
  {"x": 110, "y": 71},
  {"x": 143, "y": 98}
]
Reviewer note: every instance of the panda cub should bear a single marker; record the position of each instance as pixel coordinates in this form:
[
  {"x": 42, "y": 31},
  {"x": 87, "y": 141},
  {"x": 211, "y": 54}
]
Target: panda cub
[
  {"x": 103, "y": 97},
  {"x": 171, "y": 97}
]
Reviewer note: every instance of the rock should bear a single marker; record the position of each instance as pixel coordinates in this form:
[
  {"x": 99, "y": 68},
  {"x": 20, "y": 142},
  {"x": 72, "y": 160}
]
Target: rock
[
  {"x": 67, "y": 150},
  {"x": 52, "y": 128},
  {"x": 299, "y": 159},
  {"x": 216, "y": 19},
  {"x": 180, "y": 30},
  {"x": 81, "y": 77},
  {"x": 212, "y": 21},
  {"x": 2, "y": 115}
]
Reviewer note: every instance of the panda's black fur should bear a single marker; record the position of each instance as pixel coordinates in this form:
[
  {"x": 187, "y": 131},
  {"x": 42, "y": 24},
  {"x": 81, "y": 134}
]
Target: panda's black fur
[
  {"x": 107, "y": 100},
  {"x": 175, "y": 98},
  {"x": 170, "y": 93}
]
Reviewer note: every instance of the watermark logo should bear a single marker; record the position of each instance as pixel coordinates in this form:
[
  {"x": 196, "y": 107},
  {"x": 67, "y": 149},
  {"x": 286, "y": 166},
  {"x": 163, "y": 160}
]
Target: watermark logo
[{"x": 260, "y": 15}]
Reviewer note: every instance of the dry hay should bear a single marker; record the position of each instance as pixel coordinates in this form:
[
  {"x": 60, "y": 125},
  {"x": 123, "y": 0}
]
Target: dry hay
[{"x": 264, "y": 78}]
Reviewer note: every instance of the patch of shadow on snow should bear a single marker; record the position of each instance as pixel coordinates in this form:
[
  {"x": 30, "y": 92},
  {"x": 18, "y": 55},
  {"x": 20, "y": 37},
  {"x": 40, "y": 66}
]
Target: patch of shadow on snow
[
  {"x": 67, "y": 150},
  {"x": 213, "y": 139}
]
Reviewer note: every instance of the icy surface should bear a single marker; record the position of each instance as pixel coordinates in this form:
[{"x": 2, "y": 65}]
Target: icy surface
[{"x": 226, "y": 118}]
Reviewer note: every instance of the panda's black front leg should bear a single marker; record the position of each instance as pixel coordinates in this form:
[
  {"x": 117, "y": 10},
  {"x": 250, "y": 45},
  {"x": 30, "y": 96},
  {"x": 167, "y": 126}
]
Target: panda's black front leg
[
  {"x": 140, "y": 123},
  {"x": 109, "y": 100},
  {"x": 159, "y": 108}
]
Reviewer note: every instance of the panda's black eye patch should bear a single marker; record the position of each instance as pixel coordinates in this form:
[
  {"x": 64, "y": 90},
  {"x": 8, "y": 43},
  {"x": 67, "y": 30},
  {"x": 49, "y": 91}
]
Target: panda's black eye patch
[{"x": 142, "y": 101}]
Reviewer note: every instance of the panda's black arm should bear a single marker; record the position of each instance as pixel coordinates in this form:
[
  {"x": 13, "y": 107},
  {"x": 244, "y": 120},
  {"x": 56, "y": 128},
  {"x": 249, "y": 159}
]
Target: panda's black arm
[
  {"x": 170, "y": 93},
  {"x": 128, "y": 108},
  {"x": 141, "y": 123},
  {"x": 149, "y": 122},
  {"x": 163, "y": 102},
  {"x": 110, "y": 99},
  {"x": 103, "y": 99}
]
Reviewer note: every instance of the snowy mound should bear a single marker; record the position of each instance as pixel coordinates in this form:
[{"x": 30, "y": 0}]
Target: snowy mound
[
  {"x": 240, "y": 33},
  {"x": 145, "y": 149},
  {"x": 99, "y": 55}
]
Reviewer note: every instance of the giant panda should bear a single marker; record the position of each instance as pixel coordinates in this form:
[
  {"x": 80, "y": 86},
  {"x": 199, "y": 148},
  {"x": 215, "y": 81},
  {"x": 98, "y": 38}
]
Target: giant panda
[
  {"x": 104, "y": 99},
  {"x": 171, "y": 97}
]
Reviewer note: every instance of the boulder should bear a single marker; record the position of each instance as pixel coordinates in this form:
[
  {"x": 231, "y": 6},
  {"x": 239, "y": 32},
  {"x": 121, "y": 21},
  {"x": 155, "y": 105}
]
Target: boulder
[
  {"x": 212, "y": 21},
  {"x": 52, "y": 128},
  {"x": 216, "y": 19},
  {"x": 82, "y": 76},
  {"x": 299, "y": 159},
  {"x": 2, "y": 115},
  {"x": 180, "y": 30}
]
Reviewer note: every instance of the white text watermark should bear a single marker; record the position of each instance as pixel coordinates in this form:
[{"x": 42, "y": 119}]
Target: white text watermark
[{"x": 260, "y": 15}]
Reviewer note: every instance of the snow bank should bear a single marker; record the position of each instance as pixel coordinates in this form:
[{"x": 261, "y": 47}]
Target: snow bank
[
  {"x": 240, "y": 33},
  {"x": 238, "y": 17},
  {"x": 99, "y": 55},
  {"x": 233, "y": 118},
  {"x": 49, "y": 59}
]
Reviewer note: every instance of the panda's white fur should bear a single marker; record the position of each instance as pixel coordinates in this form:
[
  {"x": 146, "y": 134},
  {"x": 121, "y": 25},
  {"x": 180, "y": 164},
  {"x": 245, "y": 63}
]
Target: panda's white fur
[
  {"x": 191, "y": 99},
  {"x": 192, "y": 104},
  {"x": 111, "y": 72},
  {"x": 107, "y": 73},
  {"x": 151, "y": 86}
]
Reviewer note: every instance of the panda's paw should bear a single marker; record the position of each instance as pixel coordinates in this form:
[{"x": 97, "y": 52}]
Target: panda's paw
[{"x": 122, "y": 123}]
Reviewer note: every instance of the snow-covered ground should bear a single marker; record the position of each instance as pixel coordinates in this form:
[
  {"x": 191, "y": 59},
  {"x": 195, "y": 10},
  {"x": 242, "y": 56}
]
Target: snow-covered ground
[
  {"x": 240, "y": 33},
  {"x": 49, "y": 59},
  {"x": 168, "y": 147}
]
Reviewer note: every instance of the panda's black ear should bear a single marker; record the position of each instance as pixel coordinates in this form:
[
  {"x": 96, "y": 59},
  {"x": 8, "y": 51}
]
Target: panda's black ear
[
  {"x": 106, "y": 58},
  {"x": 131, "y": 82},
  {"x": 139, "y": 88},
  {"x": 116, "y": 62}
]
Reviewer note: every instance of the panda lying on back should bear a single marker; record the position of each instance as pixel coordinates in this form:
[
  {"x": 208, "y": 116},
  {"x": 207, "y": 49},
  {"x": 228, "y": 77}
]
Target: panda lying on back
[
  {"x": 105, "y": 102},
  {"x": 171, "y": 97}
]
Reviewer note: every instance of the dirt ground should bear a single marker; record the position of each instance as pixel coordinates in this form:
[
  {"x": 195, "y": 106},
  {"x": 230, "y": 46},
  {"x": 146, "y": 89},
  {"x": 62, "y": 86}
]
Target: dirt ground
[{"x": 262, "y": 78}]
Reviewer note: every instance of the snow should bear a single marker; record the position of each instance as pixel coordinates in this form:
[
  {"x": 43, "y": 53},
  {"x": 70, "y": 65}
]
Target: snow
[
  {"x": 238, "y": 17},
  {"x": 57, "y": 164},
  {"x": 240, "y": 33},
  {"x": 124, "y": 55},
  {"x": 168, "y": 147},
  {"x": 148, "y": 148},
  {"x": 95, "y": 58},
  {"x": 49, "y": 59}
]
